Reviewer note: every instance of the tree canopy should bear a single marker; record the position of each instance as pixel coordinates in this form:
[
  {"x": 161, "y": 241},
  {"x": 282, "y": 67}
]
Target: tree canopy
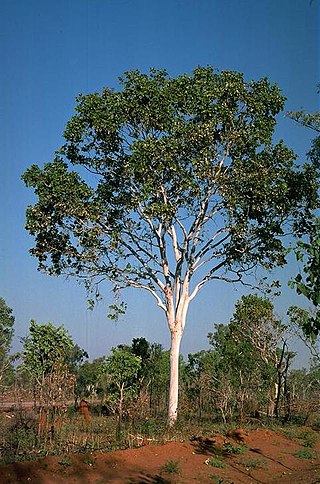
[
  {"x": 158, "y": 153},
  {"x": 44, "y": 347},
  {"x": 307, "y": 282}
]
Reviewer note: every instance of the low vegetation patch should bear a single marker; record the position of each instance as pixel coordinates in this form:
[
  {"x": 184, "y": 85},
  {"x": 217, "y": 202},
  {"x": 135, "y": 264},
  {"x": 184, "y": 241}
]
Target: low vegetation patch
[
  {"x": 214, "y": 462},
  {"x": 305, "y": 454},
  {"x": 253, "y": 463},
  {"x": 171, "y": 467},
  {"x": 90, "y": 461},
  {"x": 65, "y": 462},
  {"x": 309, "y": 438},
  {"x": 231, "y": 449}
]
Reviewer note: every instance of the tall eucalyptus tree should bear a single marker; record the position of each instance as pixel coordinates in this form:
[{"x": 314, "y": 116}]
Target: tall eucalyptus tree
[{"x": 168, "y": 184}]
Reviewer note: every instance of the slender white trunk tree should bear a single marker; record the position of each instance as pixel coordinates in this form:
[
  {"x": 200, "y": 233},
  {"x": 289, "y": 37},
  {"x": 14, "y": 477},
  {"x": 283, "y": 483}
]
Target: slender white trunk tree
[{"x": 169, "y": 184}]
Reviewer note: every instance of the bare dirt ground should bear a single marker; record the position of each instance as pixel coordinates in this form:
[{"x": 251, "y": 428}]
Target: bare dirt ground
[{"x": 266, "y": 457}]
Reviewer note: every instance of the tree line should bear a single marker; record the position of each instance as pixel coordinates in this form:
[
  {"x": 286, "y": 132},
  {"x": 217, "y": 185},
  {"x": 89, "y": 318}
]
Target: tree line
[{"x": 245, "y": 374}]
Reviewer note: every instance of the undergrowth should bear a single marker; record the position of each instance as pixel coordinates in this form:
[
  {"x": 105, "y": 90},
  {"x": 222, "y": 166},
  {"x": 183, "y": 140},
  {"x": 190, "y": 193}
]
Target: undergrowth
[{"x": 20, "y": 438}]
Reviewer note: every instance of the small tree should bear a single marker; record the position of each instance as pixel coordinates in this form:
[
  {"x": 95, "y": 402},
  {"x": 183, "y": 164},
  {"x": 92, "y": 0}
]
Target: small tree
[
  {"x": 6, "y": 335},
  {"x": 159, "y": 378},
  {"x": 236, "y": 378},
  {"x": 45, "y": 356},
  {"x": 200, "y": 373},
  {"x": 182, "y": 186},
  {"x": 121, "y": 370},
  {"x": 304, "y": 387},
  {"x": 249, "y": 353},
  {"x": 88, "y": 379},
  {"x": 254, "y": 321}
]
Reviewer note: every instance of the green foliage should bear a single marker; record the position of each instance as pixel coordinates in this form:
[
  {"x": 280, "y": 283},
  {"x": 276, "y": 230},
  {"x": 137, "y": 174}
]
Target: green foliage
[
  {"x": 21, "y": 438},
  {"x": 44, "y": 347},
  {"x": 171, "y": 467},
  {"x": 303, "y": 324},
  {"x": 214, "y": 462},
  {"x": 242, "y": 367},
  {"x": 122, "y": 367},
  {"x": 308, "y": 251},
  {"x": 90, "y": 461},
  {"x": 6, "y": 327},
  {"x": 48, "y": 355},
  {"x": 305, "y": 454},
  {"x": 219, "y": 480},
  {"x": 75, "y": 358},
  {"x": 254, "y": 321},
  {"x": 89, "y": 382},
  {"x": 121, "y": 371},
  {"x": 65, "y": 462},
  {"x": 308, "y": 436},
  {"x": 309, "y": 439},
  {"x": 308, "y": 283},
  {"x": 98, "y": 378},
  {"x": 311, "y": 121},
  {"x": 6, "y": 335},
  {"x": 198, "y": 377},
  {"x": 196, "y": 147},
  {"x": 230, "y": 449},
  {"x": 253, "y": 463}
]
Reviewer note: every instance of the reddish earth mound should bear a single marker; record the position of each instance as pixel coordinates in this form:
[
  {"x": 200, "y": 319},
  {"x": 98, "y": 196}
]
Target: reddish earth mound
[{"x": 262, "y": 456}]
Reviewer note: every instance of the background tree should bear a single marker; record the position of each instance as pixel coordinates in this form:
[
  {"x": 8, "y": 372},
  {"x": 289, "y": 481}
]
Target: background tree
[
  {"x": 200, "y": 372},
  {"x": 255, "y": 324},
  {"x": 157, "y": 378},
  {"x": 121, "y": 369},
  {"x": 6, "y": 335},
  {"x": 299, "y": 326},
  {"x": 237, "y": 383},
  {"x": 88, "y": 379},
  {"x": 47, "y": 351},
  {"x": 304, "y": 389},
  {"x": 154, "y": 374},
  {"x": 74, "y": 363},
  {"x": 251, "y": 360},
  {"x": 175, "y": 182},
  {"x": 44, "y": 346},
  {"x": 75, "y": 358},
  {"x": 254, "y": 321}
]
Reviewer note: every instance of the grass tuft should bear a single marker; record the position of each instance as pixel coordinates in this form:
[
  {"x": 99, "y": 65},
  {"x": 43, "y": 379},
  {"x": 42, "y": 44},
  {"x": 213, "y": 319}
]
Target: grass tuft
[
  {"x": 65, "y": 462},
  {"x": 171, "y": 467},
  {"x": 214, "y": 462},
  {"x": 305, "y": 454}
]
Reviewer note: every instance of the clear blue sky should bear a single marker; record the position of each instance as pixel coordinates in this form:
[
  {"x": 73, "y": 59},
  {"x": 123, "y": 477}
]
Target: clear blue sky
[{"x": 50, "y": 51}]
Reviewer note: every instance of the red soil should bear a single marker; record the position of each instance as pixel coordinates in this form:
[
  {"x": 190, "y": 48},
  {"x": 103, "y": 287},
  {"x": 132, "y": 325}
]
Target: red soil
[{"x": 269, "y": 458}]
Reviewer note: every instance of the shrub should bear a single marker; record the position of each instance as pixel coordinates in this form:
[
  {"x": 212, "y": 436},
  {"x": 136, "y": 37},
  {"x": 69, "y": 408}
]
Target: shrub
[
  {"x": 214, "y": 462},
  {"x": 171, "y": 467}
]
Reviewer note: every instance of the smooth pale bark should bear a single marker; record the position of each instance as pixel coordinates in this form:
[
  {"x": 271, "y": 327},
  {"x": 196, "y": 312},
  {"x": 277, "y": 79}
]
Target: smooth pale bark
[
  {"x": 176, "y": 336},
  {"x": 176, "y": 316}
]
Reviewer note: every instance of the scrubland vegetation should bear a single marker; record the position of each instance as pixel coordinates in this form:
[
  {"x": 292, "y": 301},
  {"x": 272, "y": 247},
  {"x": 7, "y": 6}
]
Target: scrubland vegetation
[{"x": 120, "y": 400}]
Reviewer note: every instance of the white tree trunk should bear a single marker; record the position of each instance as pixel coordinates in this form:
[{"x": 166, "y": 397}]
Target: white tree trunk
[{"x": 176, "y": 335}]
